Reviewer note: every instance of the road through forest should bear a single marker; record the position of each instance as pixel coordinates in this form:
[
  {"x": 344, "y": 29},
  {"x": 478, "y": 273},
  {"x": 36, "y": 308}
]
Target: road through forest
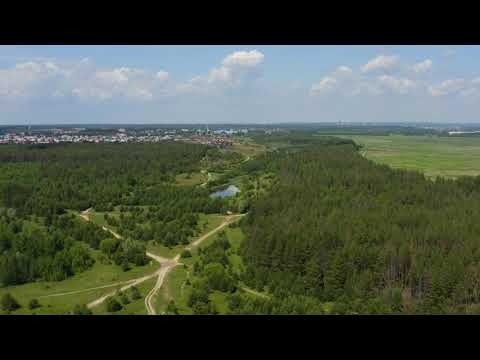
[{"x": 166, "y": 266}]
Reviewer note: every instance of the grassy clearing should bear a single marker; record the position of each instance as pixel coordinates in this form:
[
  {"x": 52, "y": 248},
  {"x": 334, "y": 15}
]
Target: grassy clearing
[
  {"x": 248, "y": 149},
  {"x": 449, "y": 157},
  {"x": 190, "y": 179},
  {"x": 135, "y": 307},
  {"x": 206, "y": 223},
  {"x": 98, "y": 275},
  {"x": 174, "y": 287}
]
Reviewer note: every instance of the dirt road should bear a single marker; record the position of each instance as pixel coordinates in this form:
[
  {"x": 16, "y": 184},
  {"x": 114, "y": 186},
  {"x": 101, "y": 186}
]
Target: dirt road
[{"x": 166, "y": 266}]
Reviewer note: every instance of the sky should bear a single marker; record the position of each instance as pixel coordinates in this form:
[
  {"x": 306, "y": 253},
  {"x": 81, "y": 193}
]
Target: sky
[{"x": 74, "y": 84}]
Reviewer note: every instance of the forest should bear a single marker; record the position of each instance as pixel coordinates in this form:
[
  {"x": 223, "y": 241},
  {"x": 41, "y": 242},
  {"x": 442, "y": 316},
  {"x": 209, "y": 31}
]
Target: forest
[
  {"x": 327, "y": 230},
  {"x": 337, "y": 228},
  {"x": 42, "y": 186}
]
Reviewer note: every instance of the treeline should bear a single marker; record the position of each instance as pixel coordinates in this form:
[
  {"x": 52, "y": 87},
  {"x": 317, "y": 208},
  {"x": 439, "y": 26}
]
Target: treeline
[
  {"x": 48, "y": 250},
  {"x": 338, "y": 228},
  {"x": 301, "y": 138}
]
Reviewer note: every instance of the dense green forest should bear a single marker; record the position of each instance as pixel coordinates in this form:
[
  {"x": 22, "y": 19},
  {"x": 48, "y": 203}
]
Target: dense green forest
[
  {"x": 39, "y": 185},
  {"x": 49, "y": 179},
  {"x": 52, "y": 251},
  {"x": 327, "y": 230},
  {"x": 338, "y": 228}
]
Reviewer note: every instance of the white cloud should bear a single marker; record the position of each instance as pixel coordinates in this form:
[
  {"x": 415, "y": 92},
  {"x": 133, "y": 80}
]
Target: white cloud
[
  {"x": 380, "y": 62},
  {"x": 243, "y": 58},
  {"x": 82, "y": 80},
  {"x": 448, "y": 87},
  {"x": 24, "y": 79},
  {"x": 343, "y": 70},
  {"x": 324, "y": 86},
  {"x": 395, "y": 84},
  {"x": 423, "y": 66},
  {"x": 237, "y": 69},
  {"x": 162, "y": 75}
]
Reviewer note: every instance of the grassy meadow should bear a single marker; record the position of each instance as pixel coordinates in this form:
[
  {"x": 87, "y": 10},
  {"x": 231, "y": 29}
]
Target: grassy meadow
[
  {"x": 448, "y": 157},
  {"x": 81, "y": 285}
]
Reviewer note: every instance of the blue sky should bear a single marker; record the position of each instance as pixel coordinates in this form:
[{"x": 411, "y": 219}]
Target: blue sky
[{"x": 247, "y": 83}]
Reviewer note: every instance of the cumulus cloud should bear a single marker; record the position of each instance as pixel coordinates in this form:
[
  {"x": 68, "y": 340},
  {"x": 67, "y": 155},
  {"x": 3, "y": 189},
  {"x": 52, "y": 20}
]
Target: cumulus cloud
[
  {"x": 324, "y": 86},
  {"x": 237, "y": 69},
  {"x": 81, "y": 80},
  {"x": 24, "y": 78},
  {"x": 448, "y": 87},
  {"x": 243, "y": 58},
  {"x": 162, "y": 75},
  {"x": 423, "y": 66},
  {"x": 343, "y": 70},
  {"x": 382, "y": 62},
  {"x": 399, "y": 85}
]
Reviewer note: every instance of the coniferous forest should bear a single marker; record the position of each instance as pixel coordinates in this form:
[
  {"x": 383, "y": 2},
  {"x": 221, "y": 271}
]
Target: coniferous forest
[{"x": 338, "y": 228}]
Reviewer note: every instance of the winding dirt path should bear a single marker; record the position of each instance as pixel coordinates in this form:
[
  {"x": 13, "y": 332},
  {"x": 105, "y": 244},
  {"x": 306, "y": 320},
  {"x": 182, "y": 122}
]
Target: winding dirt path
[{"x": 167, "y": 265}]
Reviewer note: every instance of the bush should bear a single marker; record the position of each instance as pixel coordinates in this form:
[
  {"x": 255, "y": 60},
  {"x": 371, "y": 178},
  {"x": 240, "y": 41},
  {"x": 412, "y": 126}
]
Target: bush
[
  {"x": 81, "y": 310},
  {"x": 9, "y": 303},
  {"x": 124, "y": 299},
  {"x": 135, "y": 293},
  {"x": 113, "y": 305},
  {"x": 186, "y": 254},
  {"x": 33, "y": 304}
]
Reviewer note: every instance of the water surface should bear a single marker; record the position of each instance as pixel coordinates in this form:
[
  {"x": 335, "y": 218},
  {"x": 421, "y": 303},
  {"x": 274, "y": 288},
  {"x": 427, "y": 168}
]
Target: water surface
[{"x": 230, "y": 191}]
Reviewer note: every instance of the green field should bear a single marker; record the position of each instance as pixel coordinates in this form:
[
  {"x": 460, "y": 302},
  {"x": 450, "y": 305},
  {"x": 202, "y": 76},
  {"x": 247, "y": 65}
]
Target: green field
[
  {"x": 449, "y": 157},
  {"x": 98, "y": 275},
  {"x": 174, "y": 287},
  {"x": 135, "y": 307},
  {"x": 190, "y": 179}
]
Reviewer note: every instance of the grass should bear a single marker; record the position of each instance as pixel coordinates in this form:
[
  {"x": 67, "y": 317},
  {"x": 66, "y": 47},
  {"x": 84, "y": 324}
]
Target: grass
[
  {"x": 206, "y": 223},
  {"x": 248, "y": 149},
  {"x": 135, "y": 307},
  {"x": 174, "y": 287},
  {"x": 435, "y": 156},
  {"x": 190, "y": 179},
  {"x": 98, "y": 275}
]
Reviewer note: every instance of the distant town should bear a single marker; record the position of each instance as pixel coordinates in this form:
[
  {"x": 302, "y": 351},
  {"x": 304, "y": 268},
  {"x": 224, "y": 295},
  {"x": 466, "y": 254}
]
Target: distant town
[{"x": 218, "y": 137}]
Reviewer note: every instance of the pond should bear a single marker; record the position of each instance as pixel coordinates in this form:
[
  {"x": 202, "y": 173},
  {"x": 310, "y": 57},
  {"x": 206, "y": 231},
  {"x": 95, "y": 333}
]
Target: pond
[{"x": 230, "y": 191}]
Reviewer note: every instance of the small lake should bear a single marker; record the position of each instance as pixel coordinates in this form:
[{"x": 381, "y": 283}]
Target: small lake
[{"x": 230, "y": 191}]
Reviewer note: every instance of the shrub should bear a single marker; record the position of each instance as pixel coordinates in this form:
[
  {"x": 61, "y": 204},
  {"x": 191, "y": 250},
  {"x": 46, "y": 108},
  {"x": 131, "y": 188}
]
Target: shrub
[
  {"x": 113, "y": 305},
  {"x": 135, "y": 293},
  {"x": 9, "y": 303},
  {"x": 124, "y": 299},
  {"x": 186, "y": 254},
  {"x": 33, "y": 304},
  {"x": 81, "y": 310}
]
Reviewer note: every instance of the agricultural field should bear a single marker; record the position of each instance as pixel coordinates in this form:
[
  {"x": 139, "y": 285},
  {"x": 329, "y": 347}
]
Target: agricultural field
[{"x": 435, "y": 156}]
